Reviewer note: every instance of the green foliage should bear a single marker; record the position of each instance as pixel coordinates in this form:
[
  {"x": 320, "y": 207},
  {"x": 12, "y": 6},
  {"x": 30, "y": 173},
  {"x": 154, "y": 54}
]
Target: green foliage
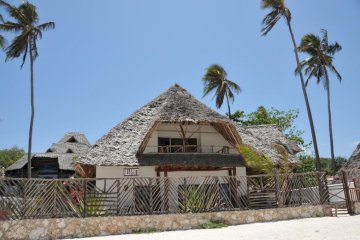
[
  {"x": 25, "y": 23},
  {"x": 198, "y": 198},
  {"x": 138, "y": 231},
  {"x": 307, "y": 164},
  {"x": 2, "y": 39},
  {"x": 214, "y": 224},
  {"x": 254, "y": 161},
  {"x": 9, "y": 156},
  {"x": 283, "y": 119},
  {"x": 320, "y": 60}
]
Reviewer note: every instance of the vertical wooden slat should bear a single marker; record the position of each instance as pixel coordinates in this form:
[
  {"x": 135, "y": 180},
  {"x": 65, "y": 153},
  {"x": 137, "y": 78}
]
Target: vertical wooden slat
[
  {"x": 347, "y": 193},
  {"x": 85, "y": 198}
]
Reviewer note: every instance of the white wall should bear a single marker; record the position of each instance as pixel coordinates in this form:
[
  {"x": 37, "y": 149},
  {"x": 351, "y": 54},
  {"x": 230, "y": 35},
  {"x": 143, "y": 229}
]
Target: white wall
[
  {"x": 149, "y": 171},
  {"x": 206, "y": 136}
]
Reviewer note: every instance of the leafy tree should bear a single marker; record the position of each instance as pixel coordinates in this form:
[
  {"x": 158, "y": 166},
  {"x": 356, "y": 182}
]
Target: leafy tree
[
  {"x": 307, "y": 164},
  {"x": 215, "y": 79},
  {"x": 279, "y": 10},
  {"x": 9, "y": 156},
  {"x": 283, "y": 119},
  {"x": 26, "y": 25},
  {"x": 320, "y": 61}
]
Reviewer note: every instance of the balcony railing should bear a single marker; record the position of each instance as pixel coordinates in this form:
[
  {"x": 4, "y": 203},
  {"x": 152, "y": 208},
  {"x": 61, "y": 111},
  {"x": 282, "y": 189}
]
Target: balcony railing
[{"x": 194, "y": 149}]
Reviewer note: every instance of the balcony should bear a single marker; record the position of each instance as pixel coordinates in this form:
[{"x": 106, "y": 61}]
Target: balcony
[{"x": 194, "y": 149}]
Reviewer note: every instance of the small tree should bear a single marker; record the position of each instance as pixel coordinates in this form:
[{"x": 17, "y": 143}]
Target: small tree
[{"x": 215, "y": 79}]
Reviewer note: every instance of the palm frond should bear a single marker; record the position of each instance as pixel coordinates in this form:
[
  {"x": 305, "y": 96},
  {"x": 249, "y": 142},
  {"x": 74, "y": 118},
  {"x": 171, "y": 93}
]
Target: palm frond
[
  {"x": 334, "y": 70},
  {"x": 333, "y": 48},
  {"x": 277, "y": 10},
  {"x": 46, "y": 26},
  {"x": 13, "y": 12},
  {"x": 29, "y": 12},
  {"x": 11, "y": 27},
  {"x": 269, "y": 22},
  {"x": 233, "y": 86},
  {"x": 230, "y": 95},
  {"x": 310, "y": 44},
  {"x": 220, "y": 94},
  {"x": 17, "y": 46},
  {"x": 2, "y": 42}
]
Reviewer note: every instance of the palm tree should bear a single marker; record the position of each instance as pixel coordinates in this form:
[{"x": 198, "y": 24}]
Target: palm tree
[
  {"x": 317, "y": 65},
  {"x": 279, "y": 10},
  {"x": 215, "y": 78},
  {"x": 26, "y": 25}
]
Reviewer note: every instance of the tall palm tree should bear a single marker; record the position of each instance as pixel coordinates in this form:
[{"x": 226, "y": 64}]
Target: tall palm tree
[
  {"x": 279, "y": 10},
  {"x": 25, "y": 43},
  {"x": 215, "y": 79},
  {"x": 319, "y": 63}
]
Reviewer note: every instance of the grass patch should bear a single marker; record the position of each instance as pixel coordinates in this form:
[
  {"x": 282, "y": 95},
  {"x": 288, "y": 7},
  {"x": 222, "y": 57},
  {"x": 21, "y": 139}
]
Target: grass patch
[
  {"x": 151, "y": 230},
  {"x": 212, "y": 225}
]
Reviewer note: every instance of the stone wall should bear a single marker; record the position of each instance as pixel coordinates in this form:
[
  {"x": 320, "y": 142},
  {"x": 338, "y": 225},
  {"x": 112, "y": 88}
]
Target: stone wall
[
  {"x": 101, "y": 226},
  {"x": 357, "y": 207}
]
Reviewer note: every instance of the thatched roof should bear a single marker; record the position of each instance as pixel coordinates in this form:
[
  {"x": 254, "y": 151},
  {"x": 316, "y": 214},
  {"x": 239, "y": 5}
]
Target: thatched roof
[
  {"x": 64, "y": 151},
  {"x": 265, "y": 138},
  {"x": 354, "y": 160},
  {"x": 124, "y": 144}
]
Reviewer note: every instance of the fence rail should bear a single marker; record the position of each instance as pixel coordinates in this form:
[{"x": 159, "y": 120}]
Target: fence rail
[{"x": 44, "y": 198}]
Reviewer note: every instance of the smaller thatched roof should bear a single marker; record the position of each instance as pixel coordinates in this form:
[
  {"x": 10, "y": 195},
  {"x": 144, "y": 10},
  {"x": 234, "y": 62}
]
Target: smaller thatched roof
[
  {"x": 265, "y": 140},
  {"x": 354, "y": 160},
  {"x": 64, "y": 152}
]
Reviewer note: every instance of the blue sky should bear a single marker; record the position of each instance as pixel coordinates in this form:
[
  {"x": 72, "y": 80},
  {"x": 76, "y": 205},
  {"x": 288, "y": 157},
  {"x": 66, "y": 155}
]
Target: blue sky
[{"x": 106, "y": 59}]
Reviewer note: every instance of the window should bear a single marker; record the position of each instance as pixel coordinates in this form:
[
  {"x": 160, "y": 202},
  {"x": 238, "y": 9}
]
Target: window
[
  {"x": 175, "y": 145},
  {"x": 69, "y": 151},
  {"x": 72, "y": 140}
]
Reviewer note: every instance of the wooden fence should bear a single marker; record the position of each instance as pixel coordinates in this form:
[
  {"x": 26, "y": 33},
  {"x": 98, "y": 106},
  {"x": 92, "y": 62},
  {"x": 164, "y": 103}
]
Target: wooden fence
[{"x": 59, "y": 198}]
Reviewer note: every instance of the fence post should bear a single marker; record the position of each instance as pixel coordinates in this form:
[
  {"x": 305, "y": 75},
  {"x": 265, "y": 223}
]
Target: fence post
[
  {"x": 277, "y": 186},
  {"x": 321, "y": 187},
  {"x": 118, "y": 197},
  {"x": 85, "y": 198},
  {"x": 151, "y": 196},
  {"x": 347, "y": 192},
  {"x": 217, "y": 193}
]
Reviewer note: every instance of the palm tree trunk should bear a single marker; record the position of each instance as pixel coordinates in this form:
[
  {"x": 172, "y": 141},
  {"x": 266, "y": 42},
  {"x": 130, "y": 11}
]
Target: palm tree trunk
[
  {"x": 317, "y": 157},
  {"x": 32, "y": 109},
  {"x": 228, "y": 104},
  {"x": 333, "y": 164}
]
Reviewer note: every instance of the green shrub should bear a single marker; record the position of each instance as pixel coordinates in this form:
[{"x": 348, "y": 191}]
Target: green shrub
[{"x": 215, "y": 224}]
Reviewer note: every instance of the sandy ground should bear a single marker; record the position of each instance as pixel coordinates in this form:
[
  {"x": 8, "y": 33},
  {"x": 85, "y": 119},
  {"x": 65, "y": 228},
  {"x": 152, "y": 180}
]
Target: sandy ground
[{"x": 326, "y": 228}]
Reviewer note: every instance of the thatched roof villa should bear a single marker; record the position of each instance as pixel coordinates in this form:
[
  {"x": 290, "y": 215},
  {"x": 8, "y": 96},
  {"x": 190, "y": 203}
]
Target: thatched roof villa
[
  {"x": 177, "y": 135},
  {"x": 354, "y": 160},
  {"x": 352, "y": 166},
  {"x": 56, "y": 162}
]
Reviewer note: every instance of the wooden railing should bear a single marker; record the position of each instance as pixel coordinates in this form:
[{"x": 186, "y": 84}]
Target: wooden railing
[
  {"x": 193, "y": 148},
  {"x": 44, "y": 198}
]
